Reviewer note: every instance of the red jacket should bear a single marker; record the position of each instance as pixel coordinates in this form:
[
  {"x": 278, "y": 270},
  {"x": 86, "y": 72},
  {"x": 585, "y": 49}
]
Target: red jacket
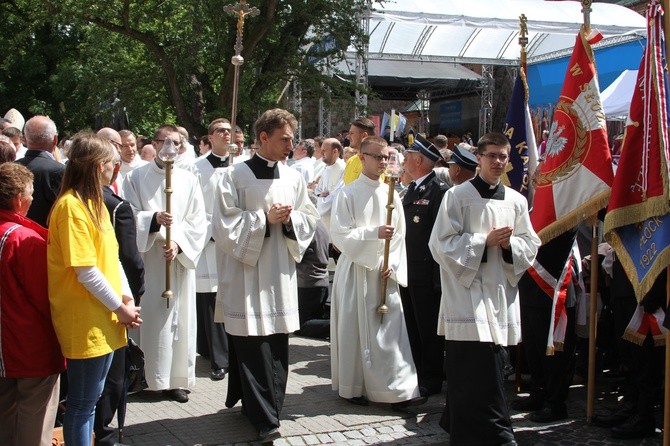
[{"x": 28, "y": 344}]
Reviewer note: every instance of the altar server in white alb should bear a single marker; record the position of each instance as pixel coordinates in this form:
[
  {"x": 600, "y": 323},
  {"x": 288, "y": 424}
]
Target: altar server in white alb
[
  {"x": 484, "y": 242},
  {"x": 209, "y": 169},
  {"x": 263, "y": 222},
  {"x": 370, "y": 359},
  {"x": 168, "y": 336}
]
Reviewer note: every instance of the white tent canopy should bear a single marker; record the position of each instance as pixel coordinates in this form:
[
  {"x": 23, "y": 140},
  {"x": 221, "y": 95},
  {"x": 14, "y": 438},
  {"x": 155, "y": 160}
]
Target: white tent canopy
[
  {"x": 418, "y": 74},
  {"x": 487, "y": 31},
  {"x": 616, "y": 98}
]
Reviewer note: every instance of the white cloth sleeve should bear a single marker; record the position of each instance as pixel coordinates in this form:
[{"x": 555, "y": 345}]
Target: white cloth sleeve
[
  {"x": 98, "y": 285},
  {"x": 125, "y": 286}
]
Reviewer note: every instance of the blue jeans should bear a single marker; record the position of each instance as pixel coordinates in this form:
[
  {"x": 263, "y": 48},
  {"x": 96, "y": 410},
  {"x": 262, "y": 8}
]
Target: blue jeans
[{"x": 86, "y": 379}]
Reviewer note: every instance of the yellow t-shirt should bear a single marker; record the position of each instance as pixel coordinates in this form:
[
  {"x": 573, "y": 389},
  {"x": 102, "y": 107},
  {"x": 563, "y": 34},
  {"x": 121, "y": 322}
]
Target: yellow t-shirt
[
  {"x": 353, "y": 169},
  {"x": 84, "y": 326}
]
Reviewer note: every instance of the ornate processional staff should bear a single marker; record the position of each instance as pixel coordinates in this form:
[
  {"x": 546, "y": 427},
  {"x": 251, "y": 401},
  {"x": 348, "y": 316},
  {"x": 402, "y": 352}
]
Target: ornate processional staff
[
  {"x": 392, "y": 173},
  {"x": 523, "y": 42},
  {"x": 523, "y": 39},
  {"x": 241, "y": 10},
  {"x": 168, "y": 154}
]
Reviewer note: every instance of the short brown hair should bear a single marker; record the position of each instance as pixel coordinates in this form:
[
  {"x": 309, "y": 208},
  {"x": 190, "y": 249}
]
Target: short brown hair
[
  {"x": 11, "y": 132},
  {"x": 160, "y": 131},
  {"x": 212, "y": 125},
  {"x": 14, "y": 178},
  {"x": 492, "y": 139},
  {"x": 373, "y": 141},
  {"x": 273, "y": 119},
  {"x": 366, "y": 125}
]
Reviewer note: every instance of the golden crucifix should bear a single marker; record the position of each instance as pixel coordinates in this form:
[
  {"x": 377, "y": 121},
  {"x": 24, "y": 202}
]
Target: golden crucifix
[{"x": 241, "y": 10}]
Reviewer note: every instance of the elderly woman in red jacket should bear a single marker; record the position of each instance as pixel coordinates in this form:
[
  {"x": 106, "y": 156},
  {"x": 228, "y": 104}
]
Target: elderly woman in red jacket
[{"x": 30, "y": 356}]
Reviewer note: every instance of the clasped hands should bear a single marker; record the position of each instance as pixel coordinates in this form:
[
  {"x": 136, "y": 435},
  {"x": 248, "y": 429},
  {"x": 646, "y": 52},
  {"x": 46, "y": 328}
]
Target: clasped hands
[
  {"x": 499, "y": 237},
  {"x": 279, "y": 213},
  {"x": 128, "y": 313}
]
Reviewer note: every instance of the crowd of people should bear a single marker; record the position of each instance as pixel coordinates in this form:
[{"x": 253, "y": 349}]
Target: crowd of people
[{"x": 429, "y": 281}]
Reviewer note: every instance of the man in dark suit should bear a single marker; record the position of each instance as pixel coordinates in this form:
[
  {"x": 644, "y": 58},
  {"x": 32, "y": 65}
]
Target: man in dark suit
[
  {"x": 421, "y": 298},
  {"x": 550, "y": 375},
  {"x": 123, "y": 220},
  {"x": 41, "y": 138}
]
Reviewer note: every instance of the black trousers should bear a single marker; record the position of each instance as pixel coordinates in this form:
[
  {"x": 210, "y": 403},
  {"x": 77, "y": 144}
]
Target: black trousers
[
  {"x": 550, "y": 376},
  {"x": 421, "y": 306},
  {"x": 476, "y": 412},
  {"x": 258, "y": 375},
  {"x": 212, "y": 334},
  {"x": 109, "y": 400},
  {"x": 311, "y": 304},
  {"x": 642, "y": 365}
]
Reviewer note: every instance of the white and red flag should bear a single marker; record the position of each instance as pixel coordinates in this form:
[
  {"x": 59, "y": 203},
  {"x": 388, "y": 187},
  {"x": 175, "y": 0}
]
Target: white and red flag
[
  {"x": 574, "y": 180},
  {"x": 637, "y": 224}
]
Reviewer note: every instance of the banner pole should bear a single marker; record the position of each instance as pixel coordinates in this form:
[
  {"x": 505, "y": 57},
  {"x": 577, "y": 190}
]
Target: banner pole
[
  {"x": 666, "y": 396},
  {"x": 593, "y": 310}
]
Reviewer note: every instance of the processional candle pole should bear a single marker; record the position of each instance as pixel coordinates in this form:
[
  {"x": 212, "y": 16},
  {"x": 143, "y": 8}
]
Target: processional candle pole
[
  {"x": 168, "y": 154},
  {"x": 392, "y": 174},
  {"x": 241, "y": 10}
]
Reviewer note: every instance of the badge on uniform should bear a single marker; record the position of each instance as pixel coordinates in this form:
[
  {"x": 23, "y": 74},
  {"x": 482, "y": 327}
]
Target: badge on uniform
[
  {"x": 416, "y": 219},
  {"x": 422, "y": 188},
  {"x": 422, "y": 202}
]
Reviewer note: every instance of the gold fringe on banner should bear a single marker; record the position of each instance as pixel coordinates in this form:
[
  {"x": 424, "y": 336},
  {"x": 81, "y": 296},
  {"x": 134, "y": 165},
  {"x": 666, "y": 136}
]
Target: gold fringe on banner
[
  {"x": 640, "y": 288},
  {"x": 574, "y": 217}
]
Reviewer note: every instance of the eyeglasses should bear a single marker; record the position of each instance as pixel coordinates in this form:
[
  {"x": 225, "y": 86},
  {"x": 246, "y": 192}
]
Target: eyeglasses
[
  {"x": 176, "y": 143},
  {"x": 116, "y": 144},
  {"x": 502, "y": 157},
  {"x": 222, "y": 130},
  {"x": 377, "y": 158}
]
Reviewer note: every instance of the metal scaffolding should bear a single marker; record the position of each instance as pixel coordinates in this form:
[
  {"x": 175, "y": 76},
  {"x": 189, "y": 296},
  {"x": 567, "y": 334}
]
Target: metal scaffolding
[
  {"x": 486, "y": 109},
  {"x": 297, "y": 106},
  {"x": 325, "y": 128},
  {"x": 361, "y": 66}
]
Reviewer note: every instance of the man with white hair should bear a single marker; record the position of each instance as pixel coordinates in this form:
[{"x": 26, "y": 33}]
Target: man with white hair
[
  {"x": 304, "y": 163},
  {"x": 41, "y": 138},
  {"x": 130, "y": 159},
  {"x": 185, "y": 152},
  {"x": 331, "y": 179}
]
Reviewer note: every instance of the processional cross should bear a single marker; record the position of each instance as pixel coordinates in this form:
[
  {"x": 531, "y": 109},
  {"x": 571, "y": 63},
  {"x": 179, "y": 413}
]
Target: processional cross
[{"x": 241, "y": 10}]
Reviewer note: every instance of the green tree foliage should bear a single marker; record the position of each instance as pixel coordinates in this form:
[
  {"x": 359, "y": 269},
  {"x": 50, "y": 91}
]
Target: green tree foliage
[{"x": 167, "y": 60}]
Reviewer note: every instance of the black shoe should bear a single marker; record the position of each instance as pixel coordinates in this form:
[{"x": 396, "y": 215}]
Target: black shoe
[
  {"x": 358, "y": 400},
  {"x": 527, "y": 404},
  {"x": 548, "y": 415},
  {"x": 616, "y": 418},
  {"x": 418, "y": 401},
  {"x": 178, "y": 395},
  {"x": 218, "y": 375},
  {"x": 269, "y": 436},
  {"x": 635, "y": 427},
  {"x": 428, "y": 391}
]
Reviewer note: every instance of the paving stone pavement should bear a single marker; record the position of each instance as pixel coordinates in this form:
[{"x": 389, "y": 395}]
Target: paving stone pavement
[{"x": 314, "y": 415}]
